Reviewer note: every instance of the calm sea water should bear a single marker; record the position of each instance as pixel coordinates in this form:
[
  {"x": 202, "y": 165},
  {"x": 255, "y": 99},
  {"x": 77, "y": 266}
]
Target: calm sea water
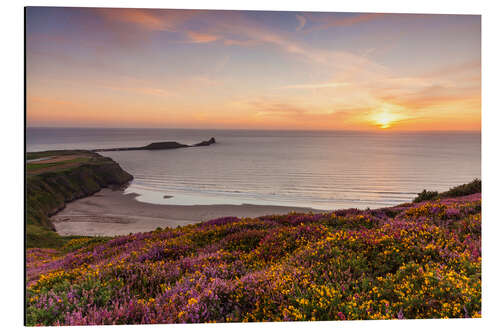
[{"x": 325, "y": 170}]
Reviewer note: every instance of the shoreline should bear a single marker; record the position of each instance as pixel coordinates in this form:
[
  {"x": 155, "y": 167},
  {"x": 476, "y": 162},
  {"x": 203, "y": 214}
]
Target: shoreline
[{"x": 113, "y": 213}]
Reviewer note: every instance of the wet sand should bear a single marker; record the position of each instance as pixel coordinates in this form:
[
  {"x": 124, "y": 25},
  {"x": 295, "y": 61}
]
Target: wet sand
[{"x": 112, "y": 213}]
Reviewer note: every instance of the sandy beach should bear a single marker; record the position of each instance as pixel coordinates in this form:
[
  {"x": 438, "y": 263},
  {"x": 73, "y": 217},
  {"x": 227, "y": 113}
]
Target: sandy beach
[{"x": 112, "y": 213}]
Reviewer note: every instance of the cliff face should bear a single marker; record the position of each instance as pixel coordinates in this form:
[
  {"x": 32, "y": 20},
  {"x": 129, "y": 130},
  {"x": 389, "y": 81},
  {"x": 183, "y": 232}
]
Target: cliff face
[{"x": 48, "y": 192}]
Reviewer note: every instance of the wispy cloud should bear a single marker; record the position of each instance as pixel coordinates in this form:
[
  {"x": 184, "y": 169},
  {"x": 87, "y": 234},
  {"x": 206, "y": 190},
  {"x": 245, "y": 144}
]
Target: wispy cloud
[
  {"x": 430, "y": 97},
  {"x": 201, "y": 80},
  {"x": 317, "y": 85},
  {"x": 246, "y": 33},
  {"x": 254, "y": 34},
  {"x": 198, "y": 37},
  {"x": 143, "y": 18},
  {"x": 322, "y": 22},
  {"x": 302, "y": 22},
  {"x": 457, "y": 69},
  {"x": 247, "y": 42},
  {"x": 129, "y": 27},
  {"x": 274, "y": 108},
  {"x": 302, "y": 116},
  {"x": 353, "y": 20},
  {"x": 140, "y": 90}
]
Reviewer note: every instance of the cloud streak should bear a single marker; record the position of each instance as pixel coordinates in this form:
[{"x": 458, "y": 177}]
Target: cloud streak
[
  {"x": 198, "y": 37},
  {"x": 322, "y": 23},
  {"x": 150, "y": 20},
  {"x": 317, "y": 85},
  {"x": 302, "y": 22},
  {"x": 246, "y": 33}
]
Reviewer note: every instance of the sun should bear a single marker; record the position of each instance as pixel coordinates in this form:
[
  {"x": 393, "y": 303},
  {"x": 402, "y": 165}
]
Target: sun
[
  {"x": 383, "y": 121},
  {"x": 385, "y": 118}
]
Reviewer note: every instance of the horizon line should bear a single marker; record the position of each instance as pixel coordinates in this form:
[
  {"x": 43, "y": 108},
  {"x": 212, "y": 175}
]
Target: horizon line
[{"x": 256, "y": 129}]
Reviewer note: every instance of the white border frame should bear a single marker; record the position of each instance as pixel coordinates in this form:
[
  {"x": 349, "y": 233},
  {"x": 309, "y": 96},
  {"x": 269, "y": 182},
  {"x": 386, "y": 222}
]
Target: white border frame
[{"x": 12, "y": 83}]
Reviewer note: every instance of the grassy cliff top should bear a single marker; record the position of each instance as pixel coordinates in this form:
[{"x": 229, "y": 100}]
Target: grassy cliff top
[
  {"x": 58, "y": 160},
  {"x": 54, "y": 178},
  {"x": 59, "y": 153}
]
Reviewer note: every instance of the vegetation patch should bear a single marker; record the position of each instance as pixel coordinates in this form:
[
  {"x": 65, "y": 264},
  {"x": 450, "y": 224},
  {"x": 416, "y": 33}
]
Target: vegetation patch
[
  {"x": 38, "y": 166},
  {"x": 48, "y": 191},
  {"x": 420, "y": 260},
  {"x": 457, "y": 191}
]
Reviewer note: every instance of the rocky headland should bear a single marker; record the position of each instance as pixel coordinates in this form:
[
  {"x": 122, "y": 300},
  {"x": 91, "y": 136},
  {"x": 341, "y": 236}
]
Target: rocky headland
[{"x": 161, "y": 146}]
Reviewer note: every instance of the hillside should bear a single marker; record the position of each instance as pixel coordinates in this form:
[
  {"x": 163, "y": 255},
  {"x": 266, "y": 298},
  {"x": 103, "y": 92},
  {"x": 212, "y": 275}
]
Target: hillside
[
  {"x": 416, "y": 260},
  {"x": 54, "y": 178}
]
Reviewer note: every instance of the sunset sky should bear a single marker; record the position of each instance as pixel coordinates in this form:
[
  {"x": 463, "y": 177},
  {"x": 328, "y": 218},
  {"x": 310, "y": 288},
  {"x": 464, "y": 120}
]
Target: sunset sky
[{"x": 257, "y": 70}]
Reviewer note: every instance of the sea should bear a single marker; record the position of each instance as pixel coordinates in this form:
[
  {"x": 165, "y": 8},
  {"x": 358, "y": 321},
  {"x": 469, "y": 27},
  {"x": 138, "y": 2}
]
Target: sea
[{"x": 315, "y": 169}]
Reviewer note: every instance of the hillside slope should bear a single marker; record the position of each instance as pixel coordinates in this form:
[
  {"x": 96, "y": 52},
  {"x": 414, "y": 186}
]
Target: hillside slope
[
  {"x": 420, "y": 260},
  {"x": 68, "y": 175}
]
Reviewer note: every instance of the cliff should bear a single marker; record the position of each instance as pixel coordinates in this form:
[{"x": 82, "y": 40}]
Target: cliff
[{"x": 51, "y": 185}]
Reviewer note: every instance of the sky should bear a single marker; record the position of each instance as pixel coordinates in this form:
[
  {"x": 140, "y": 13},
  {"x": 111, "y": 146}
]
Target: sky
[{"x": 98, "y": 67}]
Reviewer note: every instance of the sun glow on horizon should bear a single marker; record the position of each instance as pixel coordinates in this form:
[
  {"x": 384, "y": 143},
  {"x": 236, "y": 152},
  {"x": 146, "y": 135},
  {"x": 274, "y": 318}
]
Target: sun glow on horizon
[
  {"x": 384, "y": 120},
  {"x": 387, "y": 116}
]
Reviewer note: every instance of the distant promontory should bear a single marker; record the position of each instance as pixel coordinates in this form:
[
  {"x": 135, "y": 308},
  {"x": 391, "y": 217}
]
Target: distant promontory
[{"x": 161, "y": 146}]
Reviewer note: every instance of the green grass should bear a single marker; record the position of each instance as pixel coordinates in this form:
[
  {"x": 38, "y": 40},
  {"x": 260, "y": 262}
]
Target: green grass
[
  {"x": 38, "y": 236},
  {"x": 40, "y": 154},
  {"x": 32, "y": 156},
  {"x": 38, "y": 166},
  {"x": 41, "y": 237},
  {"x": 48, "y": 190}
]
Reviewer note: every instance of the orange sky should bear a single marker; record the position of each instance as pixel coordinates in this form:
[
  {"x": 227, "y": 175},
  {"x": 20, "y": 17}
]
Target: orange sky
[{"x": 262, "y": 70}]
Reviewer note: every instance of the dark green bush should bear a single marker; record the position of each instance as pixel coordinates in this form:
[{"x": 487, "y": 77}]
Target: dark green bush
[
  {"x": 457, "y": 191},
  {"x": 465, "y": 189},
  {"x": 426, "y": 195}
]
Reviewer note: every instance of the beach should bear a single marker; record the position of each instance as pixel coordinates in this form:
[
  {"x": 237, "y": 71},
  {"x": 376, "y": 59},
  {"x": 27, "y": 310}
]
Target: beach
[{"x": 112, "y": 213}]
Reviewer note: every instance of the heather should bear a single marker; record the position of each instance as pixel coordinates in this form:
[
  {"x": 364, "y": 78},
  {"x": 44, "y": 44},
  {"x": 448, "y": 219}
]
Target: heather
[{"x": 416, "y": 260}]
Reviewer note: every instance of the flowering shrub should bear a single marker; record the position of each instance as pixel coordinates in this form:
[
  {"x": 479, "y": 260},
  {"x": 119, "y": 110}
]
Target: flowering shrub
[{"x": 420, "y": 260}]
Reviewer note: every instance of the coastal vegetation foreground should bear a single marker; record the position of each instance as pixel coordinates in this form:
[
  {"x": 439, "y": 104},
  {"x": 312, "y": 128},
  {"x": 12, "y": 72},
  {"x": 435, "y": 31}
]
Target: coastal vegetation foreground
[{"x": 415, "y": 260}]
